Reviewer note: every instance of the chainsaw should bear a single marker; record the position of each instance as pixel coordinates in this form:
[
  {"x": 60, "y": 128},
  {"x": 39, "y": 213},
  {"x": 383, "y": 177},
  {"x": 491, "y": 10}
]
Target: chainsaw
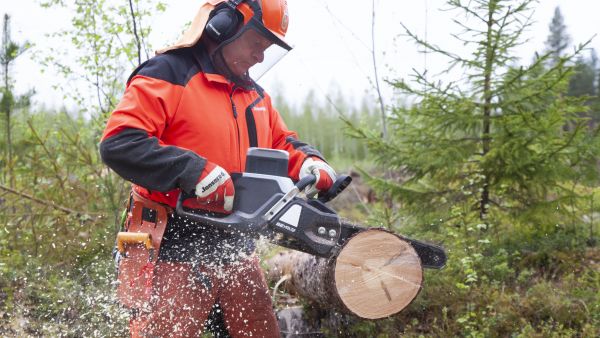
[{"x": 269, "y": 204}]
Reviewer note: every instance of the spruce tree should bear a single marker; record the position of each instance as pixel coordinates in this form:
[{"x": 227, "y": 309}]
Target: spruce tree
[
  {"x": 489, "y": 149},
  {"x": 558, "y": 40}
]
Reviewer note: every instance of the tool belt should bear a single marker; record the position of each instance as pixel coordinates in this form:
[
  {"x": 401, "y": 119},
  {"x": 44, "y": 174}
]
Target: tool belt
[{"x": 138, "y": 249}]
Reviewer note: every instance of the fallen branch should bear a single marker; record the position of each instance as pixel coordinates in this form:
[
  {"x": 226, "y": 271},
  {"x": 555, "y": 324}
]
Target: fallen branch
[{"x": 40, "y": 201}]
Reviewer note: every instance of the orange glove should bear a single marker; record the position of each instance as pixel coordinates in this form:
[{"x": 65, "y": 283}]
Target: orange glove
[
  {"x": 215, "y": 190},
  {"x": 324, "y": 173}
]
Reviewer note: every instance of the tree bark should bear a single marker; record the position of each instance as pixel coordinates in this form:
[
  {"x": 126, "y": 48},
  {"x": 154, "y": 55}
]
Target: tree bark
[{"x": 376, "y": 274}]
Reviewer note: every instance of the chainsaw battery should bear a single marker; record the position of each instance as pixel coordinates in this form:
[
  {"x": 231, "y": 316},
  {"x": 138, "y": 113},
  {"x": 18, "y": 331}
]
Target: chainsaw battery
[{"x": 267, "y": 161}]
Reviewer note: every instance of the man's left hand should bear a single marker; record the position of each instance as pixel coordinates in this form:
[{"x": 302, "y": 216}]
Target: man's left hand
[{"x": 324, "y": 173}]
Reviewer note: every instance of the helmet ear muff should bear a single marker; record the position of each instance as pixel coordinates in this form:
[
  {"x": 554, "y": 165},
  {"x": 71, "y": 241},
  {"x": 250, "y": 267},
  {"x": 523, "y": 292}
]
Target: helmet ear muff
[{"x": 223, "y": 24}]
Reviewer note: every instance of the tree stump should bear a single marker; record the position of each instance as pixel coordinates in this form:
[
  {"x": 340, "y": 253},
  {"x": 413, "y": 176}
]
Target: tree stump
[{"x": 376, "y": 274}]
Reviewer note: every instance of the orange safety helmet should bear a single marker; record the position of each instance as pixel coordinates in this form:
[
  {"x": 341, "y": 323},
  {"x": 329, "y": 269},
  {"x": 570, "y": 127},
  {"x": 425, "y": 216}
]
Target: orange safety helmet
[{"x": 273, "y": 17}]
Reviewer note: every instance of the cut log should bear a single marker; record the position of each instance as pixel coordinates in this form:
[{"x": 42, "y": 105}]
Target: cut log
[{"x": 376, "y": 274}]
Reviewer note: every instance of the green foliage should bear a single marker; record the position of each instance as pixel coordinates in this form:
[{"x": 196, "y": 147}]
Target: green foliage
[
  {"x": 58, "y": 230},
  {"x": 109, "y": 41},
  {"x": 65, "y": 196},
  {"x": 60, "y": 216},
  {"x": 584, "y": 84},
  {"x": 501, "y": 167},
  {"x": 9, "y": 51},
  {"x": 494, "y": 146}
]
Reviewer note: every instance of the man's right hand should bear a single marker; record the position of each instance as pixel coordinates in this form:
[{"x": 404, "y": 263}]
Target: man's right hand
[
  {"x": 215, "y": 189},
  {"x": 324, "y": 174}
]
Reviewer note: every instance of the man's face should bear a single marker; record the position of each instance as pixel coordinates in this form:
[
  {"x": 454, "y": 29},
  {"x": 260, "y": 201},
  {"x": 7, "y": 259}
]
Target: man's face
[{"x": 245, "y": 51}]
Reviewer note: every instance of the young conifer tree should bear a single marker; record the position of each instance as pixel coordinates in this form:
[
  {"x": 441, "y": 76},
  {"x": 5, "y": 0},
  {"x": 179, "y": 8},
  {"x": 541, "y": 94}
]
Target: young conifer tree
[
  {"x": 489, "y": 149},
  {"x": 558, "y": 39}
]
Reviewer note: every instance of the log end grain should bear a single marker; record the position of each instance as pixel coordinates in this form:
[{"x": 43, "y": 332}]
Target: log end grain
[{"x": 377, "y": 274}]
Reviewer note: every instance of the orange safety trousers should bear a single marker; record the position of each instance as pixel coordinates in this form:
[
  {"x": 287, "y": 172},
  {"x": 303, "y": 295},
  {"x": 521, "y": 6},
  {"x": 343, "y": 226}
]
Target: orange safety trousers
[{"x": 184, "y": 294}]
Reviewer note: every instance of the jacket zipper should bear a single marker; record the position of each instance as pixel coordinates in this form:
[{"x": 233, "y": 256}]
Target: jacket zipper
[
  {"x": 237, "y": 127},
  {"x": 251, "y": 122}
]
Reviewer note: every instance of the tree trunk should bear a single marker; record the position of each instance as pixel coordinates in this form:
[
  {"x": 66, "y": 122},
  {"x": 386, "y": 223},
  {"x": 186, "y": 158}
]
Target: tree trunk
[{"x": 376, "y": 274}]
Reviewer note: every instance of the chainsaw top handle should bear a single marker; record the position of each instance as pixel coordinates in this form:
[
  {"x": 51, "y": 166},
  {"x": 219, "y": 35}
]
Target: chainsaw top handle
[
  {"x": 306, "y": 181},
  {"x": 341, "y": 183}
]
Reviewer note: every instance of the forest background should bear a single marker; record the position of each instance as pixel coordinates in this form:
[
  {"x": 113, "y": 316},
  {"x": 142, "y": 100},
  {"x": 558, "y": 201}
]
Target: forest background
[{"x": 496, "y": 159}]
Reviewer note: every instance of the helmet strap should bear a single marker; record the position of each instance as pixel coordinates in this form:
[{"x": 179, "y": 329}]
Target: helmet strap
[{"x": 234, "y": 3}]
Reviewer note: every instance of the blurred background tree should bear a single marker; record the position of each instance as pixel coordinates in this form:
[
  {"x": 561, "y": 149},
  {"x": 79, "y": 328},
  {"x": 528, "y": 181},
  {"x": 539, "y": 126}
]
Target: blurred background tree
[{"x": 9, "y": 101}]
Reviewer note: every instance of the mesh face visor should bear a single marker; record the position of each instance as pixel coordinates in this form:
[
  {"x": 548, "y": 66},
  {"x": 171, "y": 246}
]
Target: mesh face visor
[{"x": 255, "y": 48}]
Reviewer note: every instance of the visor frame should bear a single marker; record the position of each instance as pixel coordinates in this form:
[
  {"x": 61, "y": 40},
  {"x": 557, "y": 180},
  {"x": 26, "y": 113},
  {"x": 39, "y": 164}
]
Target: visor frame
[
  {"x": 256, "y": 23},
  {"x": 265, "y": 65}
]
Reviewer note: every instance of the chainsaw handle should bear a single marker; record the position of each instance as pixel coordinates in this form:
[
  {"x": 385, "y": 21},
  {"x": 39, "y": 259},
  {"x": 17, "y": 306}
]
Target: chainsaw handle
[
  {"x": 306, "y": 181},
  {"x": 341, "y": 182},
  {"x": 232, "y": 222}
]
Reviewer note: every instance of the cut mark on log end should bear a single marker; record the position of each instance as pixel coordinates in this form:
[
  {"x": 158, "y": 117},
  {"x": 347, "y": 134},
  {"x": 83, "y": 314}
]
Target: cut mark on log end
[
  {"x": 380, "y": 271},
  {"x": 393, "y": 258},
  {"x": 387, "y": 292},
  {"x": 358, "y": 265}
]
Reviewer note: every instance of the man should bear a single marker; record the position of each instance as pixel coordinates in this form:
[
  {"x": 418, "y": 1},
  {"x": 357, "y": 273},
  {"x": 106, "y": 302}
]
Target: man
[{"x": 185, "y": 122}]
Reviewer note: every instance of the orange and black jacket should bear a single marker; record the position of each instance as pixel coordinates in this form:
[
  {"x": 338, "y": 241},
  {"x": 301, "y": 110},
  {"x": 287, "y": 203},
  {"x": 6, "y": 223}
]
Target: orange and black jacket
[{"x": 177, "y": 113}]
